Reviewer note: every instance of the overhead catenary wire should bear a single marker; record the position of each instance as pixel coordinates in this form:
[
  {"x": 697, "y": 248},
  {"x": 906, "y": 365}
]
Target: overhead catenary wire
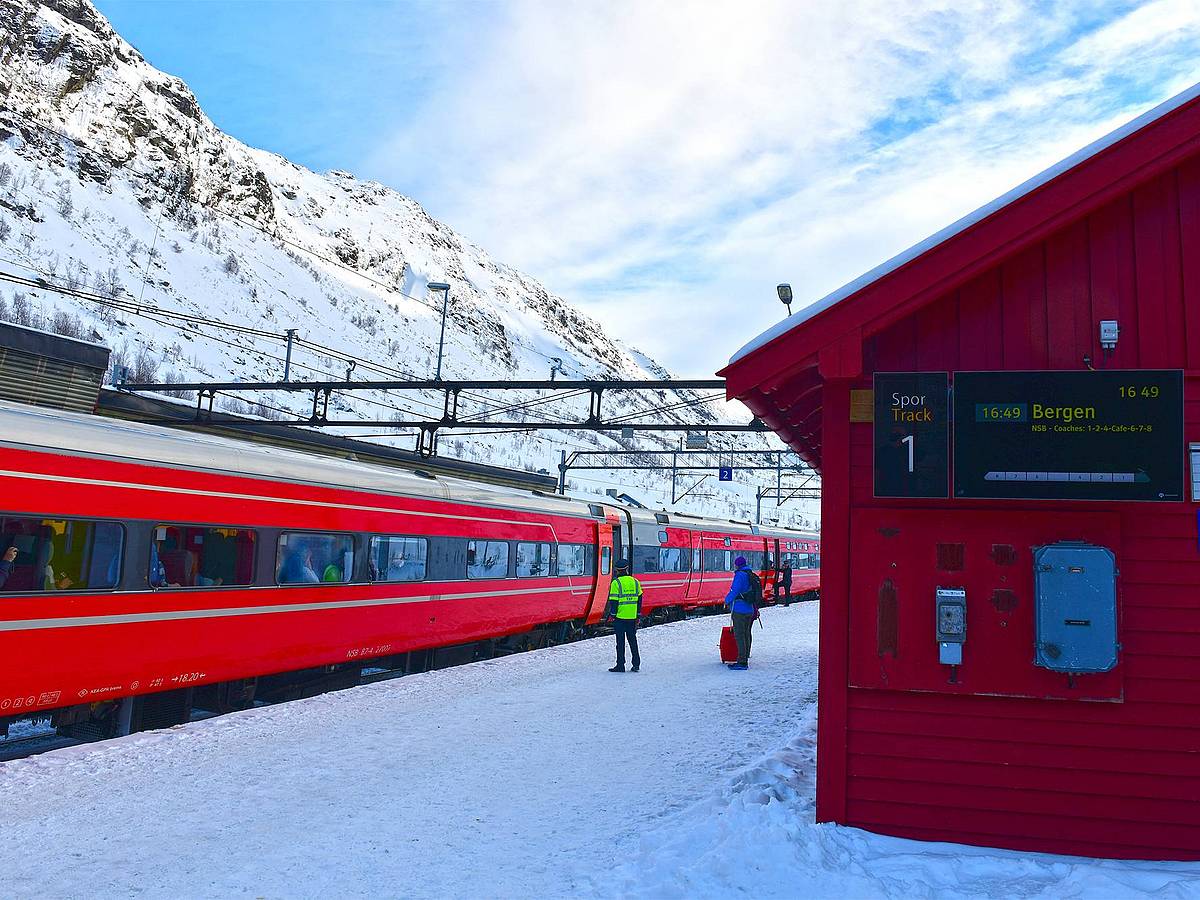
[
  {"x": 185, "y": 325},
  {"x": 188, "y": 320},
  {"x": 148, "y": 313}
]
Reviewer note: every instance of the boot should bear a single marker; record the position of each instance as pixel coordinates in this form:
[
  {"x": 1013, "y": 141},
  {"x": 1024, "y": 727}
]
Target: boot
[
  {"x": 635, "y": 668},
  {"x": 617, "y": 669}
]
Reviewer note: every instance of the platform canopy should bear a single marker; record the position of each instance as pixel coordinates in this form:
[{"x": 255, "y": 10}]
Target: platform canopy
[{"x": 780, "y": 374}]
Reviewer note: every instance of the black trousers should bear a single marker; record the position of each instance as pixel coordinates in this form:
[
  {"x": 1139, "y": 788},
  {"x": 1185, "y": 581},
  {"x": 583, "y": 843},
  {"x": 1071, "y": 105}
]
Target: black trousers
[
  {"x": 742, "y": 625},
  {"x": 626, "y": 630}
]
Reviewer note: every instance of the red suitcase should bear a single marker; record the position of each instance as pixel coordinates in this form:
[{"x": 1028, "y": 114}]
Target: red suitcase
[{"x": 729, "y": 651}]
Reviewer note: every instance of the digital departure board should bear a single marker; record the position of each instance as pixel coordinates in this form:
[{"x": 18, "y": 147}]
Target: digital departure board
[
  {"x": 1106, "y": 435},
  {"x": 912, "y": 434}
]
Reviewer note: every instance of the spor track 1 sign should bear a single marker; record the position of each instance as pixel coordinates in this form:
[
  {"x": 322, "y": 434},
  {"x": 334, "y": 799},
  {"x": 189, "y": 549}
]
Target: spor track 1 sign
[
  {"x": 912, "y": 437},
  {"x": 1107, "y": 435}
]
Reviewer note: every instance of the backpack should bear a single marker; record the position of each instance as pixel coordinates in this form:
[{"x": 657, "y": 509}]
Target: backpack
[{"x": 753, "y": 594}]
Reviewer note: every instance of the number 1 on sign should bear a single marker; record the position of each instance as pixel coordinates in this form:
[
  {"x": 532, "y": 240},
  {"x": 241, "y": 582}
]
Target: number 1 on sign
[{"x": 909, "y": 440}]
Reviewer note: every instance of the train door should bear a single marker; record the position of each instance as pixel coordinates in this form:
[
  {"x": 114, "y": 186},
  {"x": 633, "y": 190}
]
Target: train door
[
  {"x": 775, "y": 565},
  {"x": 695, "y": 567},
  {"x": 623, "y": 537},
  {"x": 607, "y": 533}
]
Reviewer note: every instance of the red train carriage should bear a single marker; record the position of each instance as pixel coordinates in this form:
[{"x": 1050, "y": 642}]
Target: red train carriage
[
  {"x": 150, "y": 560},
  {"x": 685, "y": 562}
]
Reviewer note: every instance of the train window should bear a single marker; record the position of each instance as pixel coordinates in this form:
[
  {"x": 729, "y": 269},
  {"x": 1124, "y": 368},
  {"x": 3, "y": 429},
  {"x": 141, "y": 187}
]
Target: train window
[
  {"x": 487, "y": 559},
  {"x": 814, "y": 561},
  {"x": 200, "y": 556},
  {"x": 605, "y": 560},
  {"x": 60, "y": 554},
  {"x": 697, "y": 555},
  {"x": 726, "y": 542},
  {"x": 645, "y": 559},
  {"x": 392, "y": 558},
  {"x": 729, "y": 558},
  {"x": 572, "y": 559},
  {"x": 308, "y": 558},
  {"x": 662, "y": 537},
  {"x": 533, "y": 560},
  {"x": 672, "y": 559}
]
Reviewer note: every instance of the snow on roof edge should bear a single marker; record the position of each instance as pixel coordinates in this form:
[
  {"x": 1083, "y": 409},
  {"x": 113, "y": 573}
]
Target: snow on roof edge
[{"x": 799, "y": 318}]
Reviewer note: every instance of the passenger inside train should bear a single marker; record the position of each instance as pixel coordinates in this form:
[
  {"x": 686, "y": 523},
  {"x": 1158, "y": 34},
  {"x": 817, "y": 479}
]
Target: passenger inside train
[
  {"x": 61, "y": 554},
  {"x": 308, "y": 558},
  {"x": 186, "y": 556},
  {"x": 394, "y": 558}
]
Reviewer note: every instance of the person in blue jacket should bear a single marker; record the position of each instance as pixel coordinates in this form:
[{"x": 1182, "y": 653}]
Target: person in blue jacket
[{"x": 743, "y": 610}]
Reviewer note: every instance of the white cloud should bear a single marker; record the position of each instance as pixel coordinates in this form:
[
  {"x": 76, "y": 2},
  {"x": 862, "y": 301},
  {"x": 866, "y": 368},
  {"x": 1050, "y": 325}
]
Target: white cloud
[{"x": 665, "y": 164}]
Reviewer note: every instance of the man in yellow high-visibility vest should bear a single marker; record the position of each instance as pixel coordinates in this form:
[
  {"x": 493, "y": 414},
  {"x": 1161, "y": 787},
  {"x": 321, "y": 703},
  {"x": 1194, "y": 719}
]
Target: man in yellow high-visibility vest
[{"x": 624, "y": 609}]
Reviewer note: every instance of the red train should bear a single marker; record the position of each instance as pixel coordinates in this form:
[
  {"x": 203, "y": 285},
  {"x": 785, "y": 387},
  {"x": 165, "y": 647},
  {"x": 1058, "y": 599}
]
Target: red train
[{"x": 187, "y": 569}]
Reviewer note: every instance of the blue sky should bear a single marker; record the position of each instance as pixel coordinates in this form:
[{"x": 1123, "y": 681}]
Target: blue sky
[
  {"x": 316, "y": 81},
  {"x": 664, "y": 163}
]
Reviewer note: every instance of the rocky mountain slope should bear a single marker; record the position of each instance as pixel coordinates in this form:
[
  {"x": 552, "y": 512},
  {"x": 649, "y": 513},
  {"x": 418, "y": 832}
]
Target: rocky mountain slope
[{"x": 193, "y": 254}]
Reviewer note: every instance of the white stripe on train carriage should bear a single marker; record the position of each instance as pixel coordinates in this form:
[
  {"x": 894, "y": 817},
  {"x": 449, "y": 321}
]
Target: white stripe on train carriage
[
  {"x": 223, "y": 612},
  {"x": 228, "y": 495}
]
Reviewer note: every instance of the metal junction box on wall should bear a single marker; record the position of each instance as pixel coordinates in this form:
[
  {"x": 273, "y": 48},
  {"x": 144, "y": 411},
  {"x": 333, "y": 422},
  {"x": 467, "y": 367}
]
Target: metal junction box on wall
[
  {"x": 951, "y": 605},
  {"x": 1075, "y": 595},
  {"x": 977, "y": 568}
]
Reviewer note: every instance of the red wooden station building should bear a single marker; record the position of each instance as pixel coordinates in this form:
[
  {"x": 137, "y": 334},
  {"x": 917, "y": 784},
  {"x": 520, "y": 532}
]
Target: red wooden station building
[{"x": 1002, "y": 418}]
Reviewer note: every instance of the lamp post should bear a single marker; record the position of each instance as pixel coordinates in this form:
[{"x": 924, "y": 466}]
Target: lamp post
[
  {"x": 445, "y": 289},
  {"x": 785, "y": 296}
]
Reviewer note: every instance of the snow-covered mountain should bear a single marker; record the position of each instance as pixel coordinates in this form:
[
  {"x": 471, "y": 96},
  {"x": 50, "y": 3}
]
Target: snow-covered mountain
[{"x": 114, "y": 182}]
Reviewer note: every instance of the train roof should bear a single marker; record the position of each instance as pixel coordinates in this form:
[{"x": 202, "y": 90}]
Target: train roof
[
  {"x": 81, "y": 434},
  {"x": 59, "y": 431},
  {"x": 643, "y": 516},
  {"x": 155, "y": 410}
]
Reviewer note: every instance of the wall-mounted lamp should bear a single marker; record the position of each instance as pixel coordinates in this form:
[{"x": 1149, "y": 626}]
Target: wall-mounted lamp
[{"x": 785, "y": 296}]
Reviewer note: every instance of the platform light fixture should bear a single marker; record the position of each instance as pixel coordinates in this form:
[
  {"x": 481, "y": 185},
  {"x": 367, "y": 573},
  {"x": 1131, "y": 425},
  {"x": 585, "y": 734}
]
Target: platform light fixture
[
  {"x": 445, "y": 289},
  {"x": 785, "y": 296}
]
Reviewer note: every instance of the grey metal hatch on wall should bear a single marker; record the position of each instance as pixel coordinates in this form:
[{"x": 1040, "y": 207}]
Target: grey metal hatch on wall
[{"x": 1076, "y": 607}]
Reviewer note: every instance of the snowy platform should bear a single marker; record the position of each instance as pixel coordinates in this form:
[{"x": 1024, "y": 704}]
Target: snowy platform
[{"x": 539, "y": 775}]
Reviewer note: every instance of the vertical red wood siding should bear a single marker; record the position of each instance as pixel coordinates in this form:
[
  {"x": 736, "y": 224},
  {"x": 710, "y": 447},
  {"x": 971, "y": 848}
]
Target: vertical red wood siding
[
  {"x": 1098, "y": 778},
  {"x": 1027, "y": 764}
]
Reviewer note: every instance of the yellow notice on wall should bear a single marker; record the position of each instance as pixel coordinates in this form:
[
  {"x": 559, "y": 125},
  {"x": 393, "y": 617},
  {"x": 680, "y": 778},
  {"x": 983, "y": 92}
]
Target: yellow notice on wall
[{"x": 862, "y": 406}]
